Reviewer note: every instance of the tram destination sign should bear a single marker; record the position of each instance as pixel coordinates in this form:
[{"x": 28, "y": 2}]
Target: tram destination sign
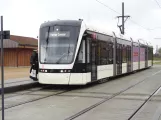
[{"x": 59, "y": 34}]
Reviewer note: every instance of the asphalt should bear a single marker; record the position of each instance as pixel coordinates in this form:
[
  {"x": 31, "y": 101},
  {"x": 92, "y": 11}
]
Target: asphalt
[{"x": 48, "y": 104}]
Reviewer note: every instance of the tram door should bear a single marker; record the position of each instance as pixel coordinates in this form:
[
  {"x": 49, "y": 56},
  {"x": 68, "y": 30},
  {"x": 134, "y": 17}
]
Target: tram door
[
  {"x": 93, "y": 61},
  {"x": 119, "y": 59}
]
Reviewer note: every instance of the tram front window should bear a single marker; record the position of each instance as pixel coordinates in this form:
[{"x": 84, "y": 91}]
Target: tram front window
[{"x": 58, "y": 44}]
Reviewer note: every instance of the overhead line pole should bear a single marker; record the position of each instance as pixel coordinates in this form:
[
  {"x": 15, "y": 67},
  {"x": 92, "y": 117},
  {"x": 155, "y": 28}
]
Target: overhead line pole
[
  {"x": 2, "y": 69},
  {"x": 120, "y": 14},
  {"x": 122, "y": 27}
]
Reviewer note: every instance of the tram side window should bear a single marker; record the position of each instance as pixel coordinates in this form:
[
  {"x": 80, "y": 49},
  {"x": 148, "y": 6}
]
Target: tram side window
[
  {"x": 110, "y": 52},
  {"x": 81, "y": 54},
  {"x": 88, "y": 51},
  {"x": 150, "y": 53},
  {"x": 103, "y": 53},
  {"x": 124, "y": 54},
  {"x": 128, "y": 49},
  {"x": 118, "y": 51},
  {"x": 98, "y": 53},
  {"x": 145, "y": 53}
]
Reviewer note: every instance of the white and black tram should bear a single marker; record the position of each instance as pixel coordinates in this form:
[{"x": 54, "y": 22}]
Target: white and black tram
[{"x": 74, "y": 54}]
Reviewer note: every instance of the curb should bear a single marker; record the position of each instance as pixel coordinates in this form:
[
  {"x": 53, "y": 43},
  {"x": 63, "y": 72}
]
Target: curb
[{"x": 15, "y": 88}]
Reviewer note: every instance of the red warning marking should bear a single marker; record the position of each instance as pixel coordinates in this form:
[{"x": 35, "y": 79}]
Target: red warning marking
[
  {"x": 135, "y": 54},
  {"x": 94, "y": 36}
]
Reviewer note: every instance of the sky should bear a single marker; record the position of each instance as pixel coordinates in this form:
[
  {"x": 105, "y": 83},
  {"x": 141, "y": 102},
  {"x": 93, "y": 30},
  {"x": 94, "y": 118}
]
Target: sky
[{"x": 24, "y": 17}]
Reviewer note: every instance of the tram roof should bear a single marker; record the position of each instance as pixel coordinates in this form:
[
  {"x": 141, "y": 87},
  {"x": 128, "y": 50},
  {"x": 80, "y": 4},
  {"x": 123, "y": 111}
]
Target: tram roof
[
  {"x": 93, "y": 29},
  {"x": 107, "y": 32},
  {"x": 62, "y": 22},
  {"x": 120, "y": 36}
]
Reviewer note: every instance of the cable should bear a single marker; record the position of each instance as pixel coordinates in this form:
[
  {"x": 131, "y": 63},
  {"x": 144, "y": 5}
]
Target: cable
[
  {"x": 139, "y": 25},
  {"x": 157, "y": 3},
  {"x": 120, "y": 14},
  {"x": 155, "y": 28},
  {"x": 108, "y": 7}
]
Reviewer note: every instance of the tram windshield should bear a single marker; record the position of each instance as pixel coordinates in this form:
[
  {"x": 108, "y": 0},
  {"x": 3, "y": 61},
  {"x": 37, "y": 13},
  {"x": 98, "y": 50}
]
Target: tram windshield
[{"x": 58, "y": 44}]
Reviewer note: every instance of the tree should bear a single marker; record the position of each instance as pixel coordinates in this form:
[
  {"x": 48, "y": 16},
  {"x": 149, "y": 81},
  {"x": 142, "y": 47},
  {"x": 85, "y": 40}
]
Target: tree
[{"x": 159, "y": 51}]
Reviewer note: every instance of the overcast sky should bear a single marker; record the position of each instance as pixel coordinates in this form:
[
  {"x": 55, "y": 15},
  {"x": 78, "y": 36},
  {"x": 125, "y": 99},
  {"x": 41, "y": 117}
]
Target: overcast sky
[{"x": 23, "y": 17}]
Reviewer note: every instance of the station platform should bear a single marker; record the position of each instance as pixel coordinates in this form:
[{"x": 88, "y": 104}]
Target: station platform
[{"x": 13, "y": 85}]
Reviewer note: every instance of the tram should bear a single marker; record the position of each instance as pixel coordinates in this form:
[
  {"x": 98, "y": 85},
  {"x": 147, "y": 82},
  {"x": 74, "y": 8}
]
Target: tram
[{"x": 71, "y": 53}]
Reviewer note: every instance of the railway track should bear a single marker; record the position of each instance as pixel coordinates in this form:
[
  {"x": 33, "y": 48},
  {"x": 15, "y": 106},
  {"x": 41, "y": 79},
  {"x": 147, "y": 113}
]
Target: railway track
[
  {"x": 113, "y": 96},
  {"x": 32, "y": 100},
  {"x": 148, "y": 99},
  {"x": 67, "y": 89}
]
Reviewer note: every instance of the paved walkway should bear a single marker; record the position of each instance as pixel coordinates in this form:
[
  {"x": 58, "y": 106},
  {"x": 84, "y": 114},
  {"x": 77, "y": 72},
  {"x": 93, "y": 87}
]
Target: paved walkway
[{"x": 14, "y": 73}]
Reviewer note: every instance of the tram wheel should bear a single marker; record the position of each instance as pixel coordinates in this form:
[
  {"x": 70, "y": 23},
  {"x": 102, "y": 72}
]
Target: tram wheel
[{"x": 103, "y": 80}]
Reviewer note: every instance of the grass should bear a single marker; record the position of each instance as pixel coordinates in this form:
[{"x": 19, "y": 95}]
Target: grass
[
  {"x": 157, "y": 60},
  {"x": 157, "y": 63}
]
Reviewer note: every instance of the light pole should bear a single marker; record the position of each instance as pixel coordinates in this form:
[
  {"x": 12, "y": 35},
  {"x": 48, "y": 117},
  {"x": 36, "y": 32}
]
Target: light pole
[{"x": 3, "y": 35}]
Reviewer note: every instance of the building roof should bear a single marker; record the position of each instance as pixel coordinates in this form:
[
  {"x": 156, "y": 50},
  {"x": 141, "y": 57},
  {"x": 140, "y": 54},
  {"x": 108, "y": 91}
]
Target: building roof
[{"x": 25, "y": 41}]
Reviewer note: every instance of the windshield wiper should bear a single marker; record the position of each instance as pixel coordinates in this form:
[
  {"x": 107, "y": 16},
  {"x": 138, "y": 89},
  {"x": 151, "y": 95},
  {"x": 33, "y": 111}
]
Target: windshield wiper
[
  {"x": 47, "y": 41},
  {"x": 64, "y": 55}
]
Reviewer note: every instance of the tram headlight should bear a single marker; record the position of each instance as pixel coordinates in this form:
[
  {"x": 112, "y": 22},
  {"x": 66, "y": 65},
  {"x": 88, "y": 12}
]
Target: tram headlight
[{"x": 65, "y": 71}]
